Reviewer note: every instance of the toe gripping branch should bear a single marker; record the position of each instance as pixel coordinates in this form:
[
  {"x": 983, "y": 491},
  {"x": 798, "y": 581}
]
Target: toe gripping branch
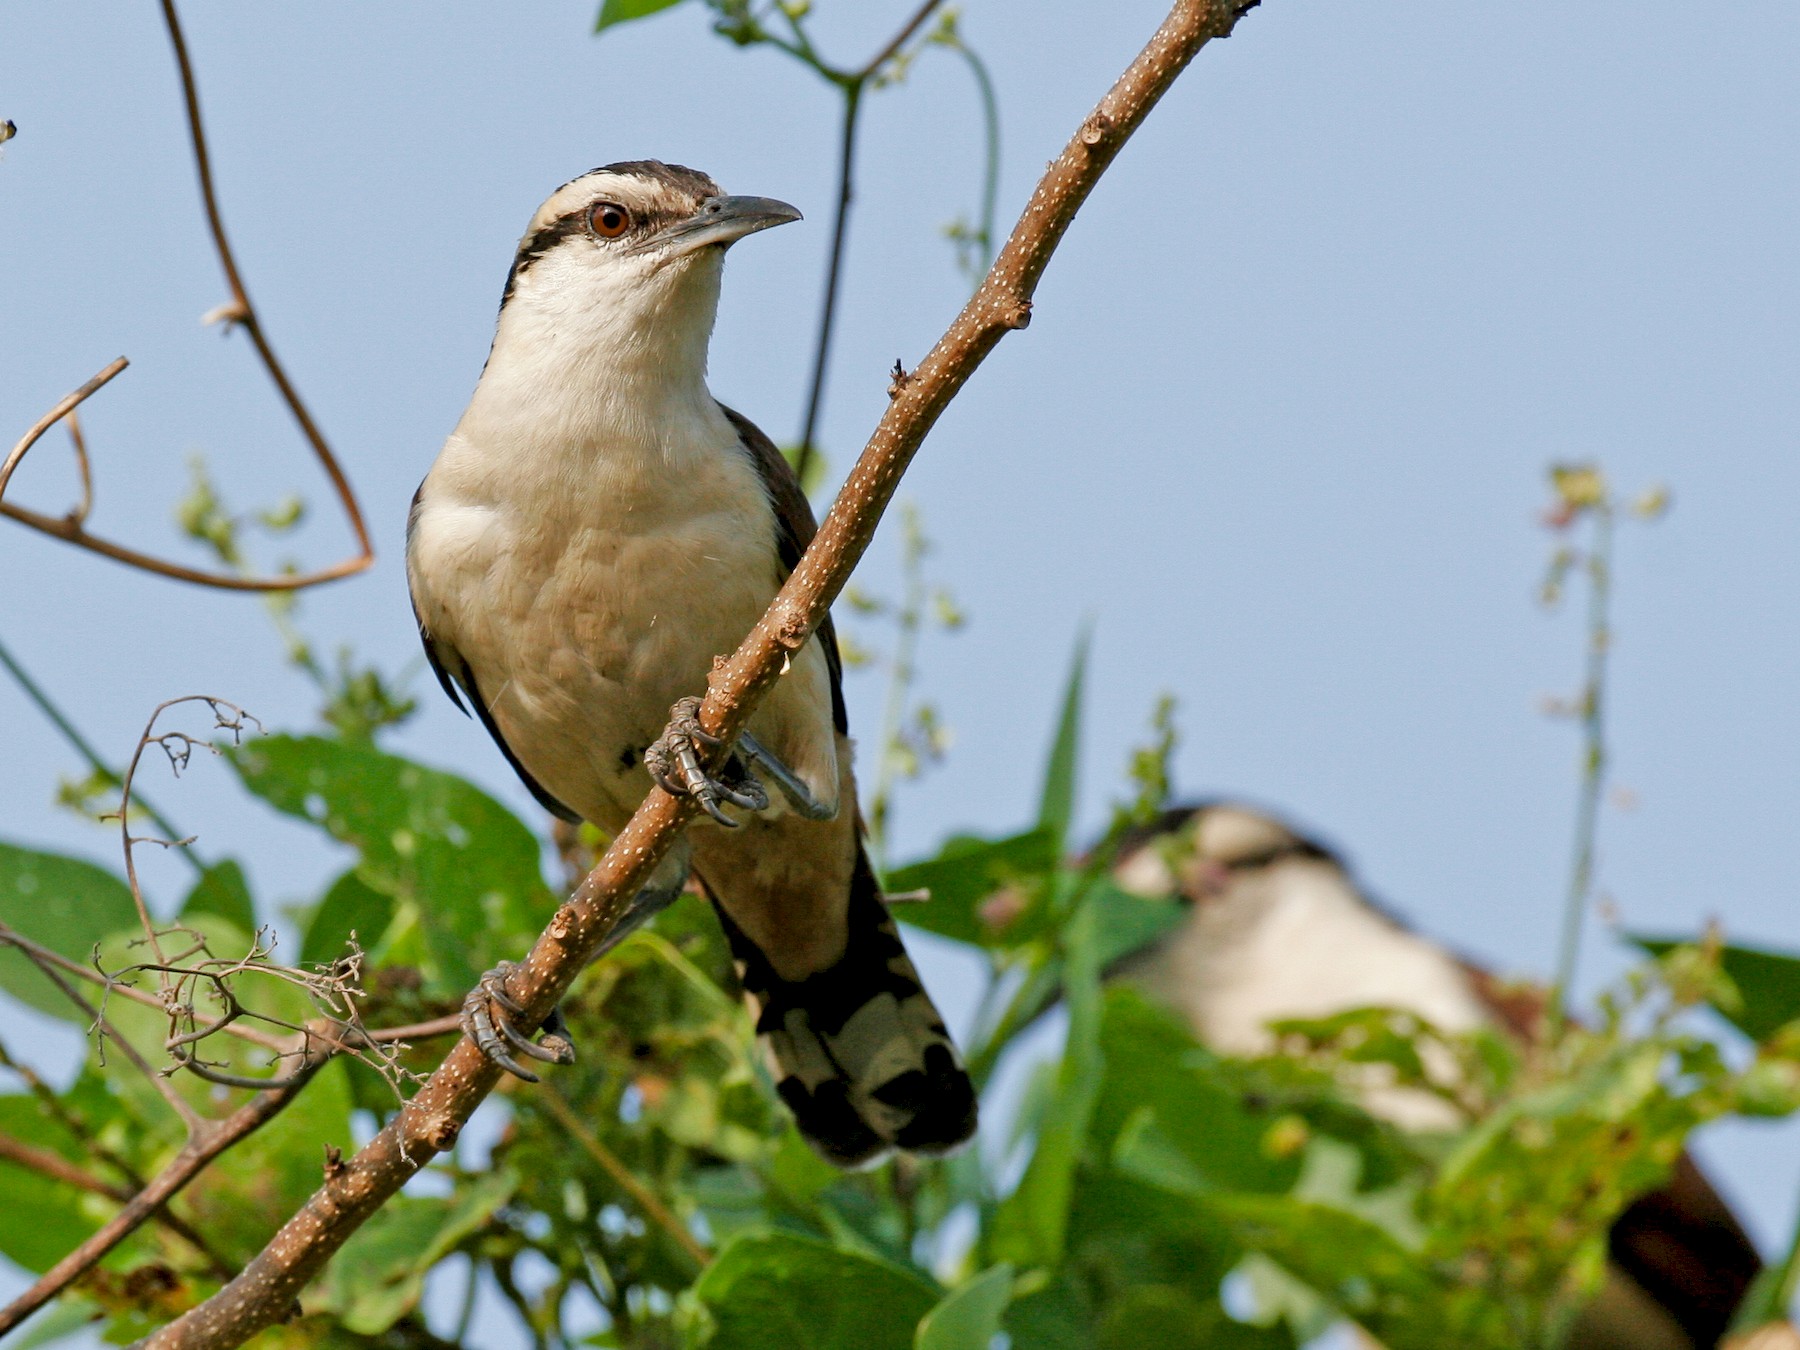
[
  {"x": 674, "y": 762},
  {"x": 486, "y": 1020}
]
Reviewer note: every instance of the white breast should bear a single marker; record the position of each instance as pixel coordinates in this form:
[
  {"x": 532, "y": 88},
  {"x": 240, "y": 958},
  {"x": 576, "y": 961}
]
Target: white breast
[
  {"x": 1295, "y": 940},
  {"x": 589, "y": 582}
]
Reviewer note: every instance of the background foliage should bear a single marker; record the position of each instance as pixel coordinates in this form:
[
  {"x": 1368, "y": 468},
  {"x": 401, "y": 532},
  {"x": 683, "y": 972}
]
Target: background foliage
[{"x": 1145, "y": 1191}]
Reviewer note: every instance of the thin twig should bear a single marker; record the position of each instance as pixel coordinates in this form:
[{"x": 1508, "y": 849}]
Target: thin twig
[
  {"x": 64, "y": 406},
  {"x": 645, "y": 1198},
  {"x": 227, "y": 716},
  {"x": 851, "y": 84},
  {"x": 245, "y": 313},
  {"x": 433, "y": 1119},
  {"x": 103, "y": 1032},
  {"x": 1592, "y": 711},
  {"x": 899, "y": 40},
  {"x": 815, "y": 398},
  {"x": 83, "y": 747},
  {"x": 84, "y": 468},
  {"x": 71, "y": 527},
  {"x": 345, "y": 1040}
]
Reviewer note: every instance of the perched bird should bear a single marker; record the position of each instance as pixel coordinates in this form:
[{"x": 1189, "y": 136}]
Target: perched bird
[
  {"x": 594, "y": 532},
  {"x": 1278, "y": 929}
]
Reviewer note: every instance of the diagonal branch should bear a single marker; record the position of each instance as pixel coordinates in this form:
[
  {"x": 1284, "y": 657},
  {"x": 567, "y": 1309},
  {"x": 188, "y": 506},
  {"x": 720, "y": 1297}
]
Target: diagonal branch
[
  {"x": 202, "y": 1147},
  {"x": 53, "y": 1165},
  {"x": 432, "y": 1120},
  {"x": 72, "y": 528}
]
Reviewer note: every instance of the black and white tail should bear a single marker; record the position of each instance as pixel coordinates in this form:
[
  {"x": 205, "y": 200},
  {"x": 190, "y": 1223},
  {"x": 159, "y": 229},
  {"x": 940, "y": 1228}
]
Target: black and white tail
[{"x": 860, "y": 1055}]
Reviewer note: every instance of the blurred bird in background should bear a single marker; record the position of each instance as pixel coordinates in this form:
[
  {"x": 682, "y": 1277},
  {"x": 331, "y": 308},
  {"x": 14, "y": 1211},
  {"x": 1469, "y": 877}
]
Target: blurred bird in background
[{"x": 1278, "y": 929}]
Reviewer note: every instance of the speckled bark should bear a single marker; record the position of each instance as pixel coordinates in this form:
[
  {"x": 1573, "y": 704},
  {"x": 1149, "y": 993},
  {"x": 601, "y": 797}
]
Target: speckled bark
[{"x": 268, "y": 1287}]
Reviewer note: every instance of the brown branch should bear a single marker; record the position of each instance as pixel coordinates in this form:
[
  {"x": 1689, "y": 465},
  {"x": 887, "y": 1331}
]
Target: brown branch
[
  {"x": 895, "y": 43},
  {"x": 431, "y": 1121},
  {"x": 645, "y": 1198},
  {"x": 243, "y": 312},
  {"x": 206, "y": 1141},
  {"x": 54, "y": 1107},
  {"x": 58, "y": 1168},
  {"x": 71, "y": 528}
]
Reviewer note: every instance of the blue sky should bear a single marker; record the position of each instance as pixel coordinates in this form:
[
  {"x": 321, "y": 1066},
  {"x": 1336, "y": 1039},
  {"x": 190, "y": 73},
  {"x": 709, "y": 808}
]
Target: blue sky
[{"x": 1279, "y": 426}]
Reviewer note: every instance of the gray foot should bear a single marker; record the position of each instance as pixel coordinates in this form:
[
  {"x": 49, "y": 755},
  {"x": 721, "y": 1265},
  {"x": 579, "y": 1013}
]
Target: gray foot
[
  {"x": 798, "y": 794},
  {"x": 674, "y": 762},
  {"x": 487, "y": 1015}
]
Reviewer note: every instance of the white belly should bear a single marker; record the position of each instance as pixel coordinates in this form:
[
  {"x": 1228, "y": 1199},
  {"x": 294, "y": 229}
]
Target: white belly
[{"x": 586, "y": 605}]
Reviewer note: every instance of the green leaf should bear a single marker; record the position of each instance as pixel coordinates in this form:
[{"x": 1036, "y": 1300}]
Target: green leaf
[
  {"x": 223, "y": 891},
  {"x": 59, "y": 1221},
  {"x": 1031, "y": 1224},
  {"x": 1170, "y": 1113},
  {"x": 624, "y": 11},
  {"x": 1351, "y": 1261},
  {"x": 1056, "y": 808},
  {"x": 466, "y": 864},
  {"x": 379, "y": 1275},
  {"x": 1129, "y": 923},
  {"x": 1769, "y": 982},
  {"x": 969, "y": 1318},
  {"x": 63, "y": 903},
  {"x": 777, "y": 1289},
  {"x": 967, "y": 871},
  {"x": 350, "y": 907}
]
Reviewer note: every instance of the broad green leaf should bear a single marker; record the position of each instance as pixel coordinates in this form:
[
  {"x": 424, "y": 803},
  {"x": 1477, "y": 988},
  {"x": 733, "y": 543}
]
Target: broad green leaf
[
  {"x": 1351, "y": 1261},
  {"x": 778, "y": 1289},
  {"x": 59, "y": 1215},
  {"x": 1031, "y": 1224},
  {"x": 1128, "y": 923},
  {"x": 379, "y": 1275},
  {"x": 350, "y": 907},
  {"x": 469, "y": 865},
  {"x": 969, "y": 1318},
  {"x": 1769, "y": 982},
  {"x": 966, "y": 872},
  {"x": 1056, "y": 807},
  {"x": 624, "y": 11},
  {"x": 1171, "y": 1114},
  {"x": 223, "y": 891},
  {"x": 65, "y": 904}
]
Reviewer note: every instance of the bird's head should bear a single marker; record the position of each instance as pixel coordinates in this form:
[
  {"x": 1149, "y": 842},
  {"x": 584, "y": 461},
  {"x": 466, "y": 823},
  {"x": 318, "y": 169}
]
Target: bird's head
[{"x": 634, "y": 250}]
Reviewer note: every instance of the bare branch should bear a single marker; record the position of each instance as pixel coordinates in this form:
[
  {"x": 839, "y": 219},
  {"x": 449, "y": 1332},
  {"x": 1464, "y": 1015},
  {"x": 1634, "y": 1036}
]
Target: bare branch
[
  {"x": 243, "y": 312},
  {"x": 432, "y": 1120},
  {"x": 852, "y": 84},
  {"x": 71, "y": 528}
]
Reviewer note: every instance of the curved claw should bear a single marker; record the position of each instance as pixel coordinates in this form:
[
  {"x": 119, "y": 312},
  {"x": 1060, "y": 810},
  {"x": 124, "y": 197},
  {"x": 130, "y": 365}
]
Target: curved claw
[
  {"x": 674, "y": 762},
  {"x": 492, "y": 1032}
]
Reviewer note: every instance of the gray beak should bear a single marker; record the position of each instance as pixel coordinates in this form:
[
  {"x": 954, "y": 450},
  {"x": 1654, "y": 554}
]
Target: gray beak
[{"x": 724, "y": 221}]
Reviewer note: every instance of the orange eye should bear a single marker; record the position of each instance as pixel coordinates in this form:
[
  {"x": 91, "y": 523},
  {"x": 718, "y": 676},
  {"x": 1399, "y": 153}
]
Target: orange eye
[{"x": 609, "y": 220}]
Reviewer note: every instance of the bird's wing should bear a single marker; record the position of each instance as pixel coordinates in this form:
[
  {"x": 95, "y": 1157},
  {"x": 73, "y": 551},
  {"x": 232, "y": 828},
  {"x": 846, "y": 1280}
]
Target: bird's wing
[
  {"x": 458, "y": 680},
  {"x": 794, "y": 530}
]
